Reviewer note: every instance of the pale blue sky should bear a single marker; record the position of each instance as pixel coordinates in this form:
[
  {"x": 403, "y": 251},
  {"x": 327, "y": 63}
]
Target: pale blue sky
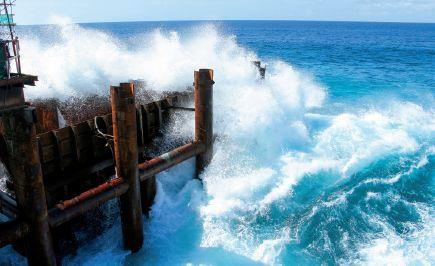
[{"x": 40, "y": 12}]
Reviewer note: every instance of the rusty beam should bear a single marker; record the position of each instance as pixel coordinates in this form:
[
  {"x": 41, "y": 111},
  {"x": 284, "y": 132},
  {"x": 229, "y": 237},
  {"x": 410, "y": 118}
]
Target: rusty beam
[
  {"x": 89, "y": 194},
  {"x": 20, "y": 134},
  {"x": 163, "y": 162},
  {"x": 87, "y": 201},
  {"x": 204, "y": 116},
  {"x": 12, "y": 231},
  {"x": 126, "y": 157},
  {"x": 92, "y": 198}
]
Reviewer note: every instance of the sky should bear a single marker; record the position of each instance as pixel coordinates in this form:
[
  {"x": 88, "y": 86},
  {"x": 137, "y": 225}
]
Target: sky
[{"x": 80, "y": 11}]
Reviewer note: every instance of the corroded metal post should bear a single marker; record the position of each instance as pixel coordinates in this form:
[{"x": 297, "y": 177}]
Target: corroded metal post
[
  {"x": 19, "y": 132},
  {"x": 126, "y": 155},
  {"x": 204, "y": 116}
]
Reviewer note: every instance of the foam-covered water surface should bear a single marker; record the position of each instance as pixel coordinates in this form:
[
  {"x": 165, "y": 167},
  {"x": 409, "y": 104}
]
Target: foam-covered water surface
[{"x": 312, "y": 165}]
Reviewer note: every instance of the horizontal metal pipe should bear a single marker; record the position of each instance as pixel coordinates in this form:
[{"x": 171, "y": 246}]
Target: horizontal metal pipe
[
  {"x": 12, "y": 231},
  {"x": 167, "y": 160},
  {"x": 92, "y": 198},
  {"x": 89, "y": 194},
  {"x": 59, "y": 216}
]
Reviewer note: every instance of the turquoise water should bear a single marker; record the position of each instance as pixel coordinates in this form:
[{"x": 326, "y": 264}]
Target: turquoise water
[{"x": 329, "y": 160}]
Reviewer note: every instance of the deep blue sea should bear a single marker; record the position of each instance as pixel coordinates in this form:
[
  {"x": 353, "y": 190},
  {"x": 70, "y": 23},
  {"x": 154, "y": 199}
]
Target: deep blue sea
[{"x": 329, "y": 160}]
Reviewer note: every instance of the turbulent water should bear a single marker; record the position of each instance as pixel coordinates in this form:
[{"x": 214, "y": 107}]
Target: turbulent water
[{"x": 328, "y": 160}]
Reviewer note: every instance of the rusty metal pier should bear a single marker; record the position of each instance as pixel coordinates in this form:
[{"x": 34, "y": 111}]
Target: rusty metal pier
[{"x": 59, "y": 175}]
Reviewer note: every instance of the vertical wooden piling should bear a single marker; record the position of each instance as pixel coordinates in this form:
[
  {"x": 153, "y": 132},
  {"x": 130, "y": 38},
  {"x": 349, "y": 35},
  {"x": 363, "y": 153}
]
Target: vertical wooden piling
[
  {"x": 20, "y": 132},
  {"x": 204, "y": 116},
  {"x": 126, "y": 156}
]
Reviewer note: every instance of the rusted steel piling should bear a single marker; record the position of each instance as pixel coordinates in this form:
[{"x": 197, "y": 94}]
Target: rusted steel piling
[
  {"x": 204, "y": 116},
  {"x": 126, "y": 156},
  {"x": 20, "y": 131}
]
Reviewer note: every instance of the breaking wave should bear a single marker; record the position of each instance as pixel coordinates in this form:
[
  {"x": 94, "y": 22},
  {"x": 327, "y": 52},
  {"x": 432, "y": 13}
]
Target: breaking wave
[{"x": 291, "y": 181}]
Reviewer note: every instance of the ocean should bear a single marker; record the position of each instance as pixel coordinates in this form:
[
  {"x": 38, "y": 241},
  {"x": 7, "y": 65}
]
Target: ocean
[{"x": 330, "y": 160}]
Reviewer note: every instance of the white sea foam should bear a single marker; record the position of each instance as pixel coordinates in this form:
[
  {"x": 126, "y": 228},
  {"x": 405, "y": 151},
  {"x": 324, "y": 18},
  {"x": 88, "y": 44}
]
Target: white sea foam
[
  {"x": 417, "y": 248},
  {"x": 350, "y": 143}
]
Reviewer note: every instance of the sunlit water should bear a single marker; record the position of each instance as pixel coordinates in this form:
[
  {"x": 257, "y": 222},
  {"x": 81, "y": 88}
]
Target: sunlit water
[{"x": 330, "y": 159}]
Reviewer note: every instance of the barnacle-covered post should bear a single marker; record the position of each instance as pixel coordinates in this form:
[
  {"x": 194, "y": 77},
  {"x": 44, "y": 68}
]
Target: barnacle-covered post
[
  {"x": 19, "y": 127},
  {"x": 126, "y": 156},
  {"x": 204, "y": 116}
]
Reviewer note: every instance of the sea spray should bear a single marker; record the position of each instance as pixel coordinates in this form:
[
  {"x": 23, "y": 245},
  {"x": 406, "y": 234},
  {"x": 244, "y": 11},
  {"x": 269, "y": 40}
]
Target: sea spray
[{"x": 85, "y": 61}]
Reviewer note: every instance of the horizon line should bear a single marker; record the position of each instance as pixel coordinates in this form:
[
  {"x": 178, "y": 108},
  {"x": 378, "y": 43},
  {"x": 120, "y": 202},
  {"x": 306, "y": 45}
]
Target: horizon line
[{"x": 248, "y": 20}]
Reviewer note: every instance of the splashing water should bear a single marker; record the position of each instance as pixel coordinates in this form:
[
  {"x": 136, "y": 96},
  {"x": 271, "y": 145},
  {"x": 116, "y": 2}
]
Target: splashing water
[{"x": 291, "y": 180}]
